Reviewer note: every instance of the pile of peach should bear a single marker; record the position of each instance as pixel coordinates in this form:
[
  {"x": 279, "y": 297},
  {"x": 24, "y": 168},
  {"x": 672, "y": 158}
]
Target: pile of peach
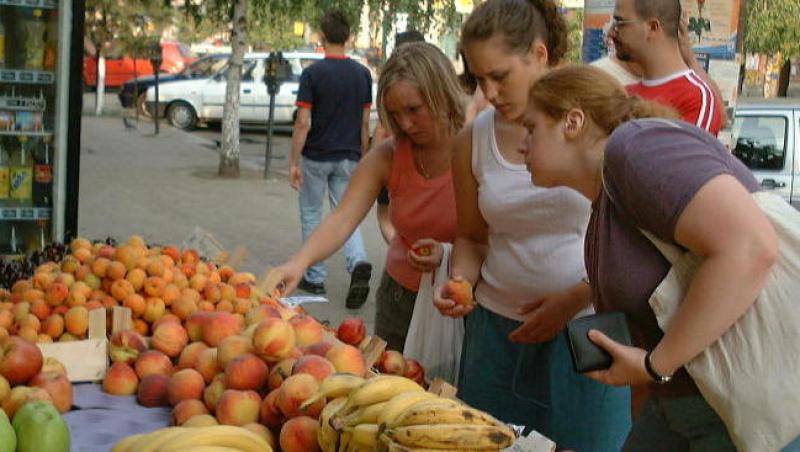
[
  {"x": 54, "y": 304},
  {"x": 255, "y": 373},
  {"x": 26, "y": 376}
]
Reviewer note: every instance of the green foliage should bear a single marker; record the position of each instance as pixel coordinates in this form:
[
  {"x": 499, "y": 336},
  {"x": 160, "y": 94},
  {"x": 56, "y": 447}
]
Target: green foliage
[
  {"x": 129, "y": 25},
  {"x": 772, "y": 26},
  {"x": 575, "y": 36}
]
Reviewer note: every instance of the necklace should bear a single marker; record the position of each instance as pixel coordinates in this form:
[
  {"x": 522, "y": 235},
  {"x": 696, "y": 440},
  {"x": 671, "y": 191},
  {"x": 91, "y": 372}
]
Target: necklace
[{"x": 420, "y": 161}]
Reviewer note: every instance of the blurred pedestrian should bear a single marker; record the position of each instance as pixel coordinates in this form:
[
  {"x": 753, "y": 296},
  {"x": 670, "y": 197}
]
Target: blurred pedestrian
[{"x": 330, "y": 134}]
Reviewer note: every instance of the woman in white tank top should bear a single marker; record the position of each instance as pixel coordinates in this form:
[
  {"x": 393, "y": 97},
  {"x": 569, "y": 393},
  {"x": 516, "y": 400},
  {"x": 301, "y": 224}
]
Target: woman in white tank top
[{"x": 521, "y": 247}]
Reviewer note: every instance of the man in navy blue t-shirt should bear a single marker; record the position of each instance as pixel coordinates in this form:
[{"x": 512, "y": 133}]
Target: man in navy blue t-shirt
[{"x": 331, "y": 132}]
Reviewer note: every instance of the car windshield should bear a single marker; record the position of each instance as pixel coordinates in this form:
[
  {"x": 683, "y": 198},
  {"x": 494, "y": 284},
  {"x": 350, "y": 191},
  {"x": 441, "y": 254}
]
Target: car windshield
[{"x": 206, "y": 67}]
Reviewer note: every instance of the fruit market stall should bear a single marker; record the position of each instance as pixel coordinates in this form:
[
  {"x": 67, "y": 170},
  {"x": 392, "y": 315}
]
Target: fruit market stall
[{"x": 202, "y": 356}]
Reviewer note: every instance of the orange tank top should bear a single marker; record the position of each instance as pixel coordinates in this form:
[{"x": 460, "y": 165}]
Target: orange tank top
[{"x": 420, "y": 208}]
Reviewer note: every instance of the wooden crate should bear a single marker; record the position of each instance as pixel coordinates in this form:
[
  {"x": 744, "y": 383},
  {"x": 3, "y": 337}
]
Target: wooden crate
[{"x": 85, "y": 360}]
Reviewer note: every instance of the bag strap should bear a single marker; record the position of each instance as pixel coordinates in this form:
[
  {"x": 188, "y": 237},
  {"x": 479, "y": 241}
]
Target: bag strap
[{"x": 670, "y": 252}]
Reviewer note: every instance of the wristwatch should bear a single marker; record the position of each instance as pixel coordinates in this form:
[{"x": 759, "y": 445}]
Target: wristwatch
[{"x": 660, "y": 379}]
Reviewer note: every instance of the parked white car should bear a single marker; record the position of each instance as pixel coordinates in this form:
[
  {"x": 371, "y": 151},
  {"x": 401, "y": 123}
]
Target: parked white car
[{"x": 186, "y": 103}]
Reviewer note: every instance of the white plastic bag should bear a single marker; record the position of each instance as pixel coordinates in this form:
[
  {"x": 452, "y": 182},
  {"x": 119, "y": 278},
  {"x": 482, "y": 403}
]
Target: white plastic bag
[
  {"x": 433, "y": 339},
  {"x": 751, "y": 375}
]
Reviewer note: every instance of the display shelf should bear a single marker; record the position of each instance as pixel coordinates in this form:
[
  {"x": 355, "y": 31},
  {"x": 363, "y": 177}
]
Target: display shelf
[
  {"x": 46, "y": 4},
  {"x": 19, "y": 103},
  {"x": 25, "y": 213},
  {"x": 22, "y": 133},
  {"x": 27, "y": 76}
]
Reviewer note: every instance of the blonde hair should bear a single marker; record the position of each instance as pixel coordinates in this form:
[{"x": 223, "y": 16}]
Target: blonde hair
[
  {"x": 427, "y": 69},
  {"x": 594, "y": 92}
]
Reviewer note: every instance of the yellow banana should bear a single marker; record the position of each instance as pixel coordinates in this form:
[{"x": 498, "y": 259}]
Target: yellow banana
[
  {"x": 428, "y": 414},
  {"x": 217, "y": 435},
  {"x": 453, "y": 436},
  {"x": 400, "y": 402},
  {"x": 337, "y": 385},
  {"x": 379, "y": 389},
  {"x": 364, "y": 435},
  {"x": 386, "y": 444},
  {"x": 124, "y": 445},
  {"x": 344, "y": 441},
  {"x": 151, "y": 442},
  {"x": 327, "y": 436},
  {"x": 364, "y": 415},
  {"x": 424, "y": 406}
]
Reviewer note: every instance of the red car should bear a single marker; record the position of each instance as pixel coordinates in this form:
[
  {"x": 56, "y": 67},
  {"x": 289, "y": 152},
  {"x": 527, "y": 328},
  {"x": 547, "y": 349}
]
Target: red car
[{"x": 120, "y": 68}]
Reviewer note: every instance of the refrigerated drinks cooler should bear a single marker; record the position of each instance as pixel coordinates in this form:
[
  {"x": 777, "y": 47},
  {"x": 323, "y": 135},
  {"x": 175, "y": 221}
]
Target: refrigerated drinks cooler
[{"x": 40, "y": 99}]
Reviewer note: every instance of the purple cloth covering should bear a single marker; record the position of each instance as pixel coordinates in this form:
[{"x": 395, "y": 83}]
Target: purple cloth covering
[{"x": 99, "y": 420}]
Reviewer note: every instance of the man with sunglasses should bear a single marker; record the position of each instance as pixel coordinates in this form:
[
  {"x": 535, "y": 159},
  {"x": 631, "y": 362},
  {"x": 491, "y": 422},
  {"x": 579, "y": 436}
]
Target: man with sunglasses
[{"x": 648, "y": 32}]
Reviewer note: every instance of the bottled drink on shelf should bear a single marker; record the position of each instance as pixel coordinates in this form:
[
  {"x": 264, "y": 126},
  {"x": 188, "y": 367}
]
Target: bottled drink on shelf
[
  {"x": 43, "y": 178},
  {"x": 5, "y": 176},
  {"x": 34, "y": 28},
  {"x": 21, "y": 190},
  {"x": 51, "y": 42},
  {"x": 2, "y": 45}
]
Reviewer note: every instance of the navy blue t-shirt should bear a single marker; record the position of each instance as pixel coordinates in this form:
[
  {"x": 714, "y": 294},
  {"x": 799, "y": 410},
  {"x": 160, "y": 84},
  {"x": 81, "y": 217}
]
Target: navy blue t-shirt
[{"x": 337, "y": 90}]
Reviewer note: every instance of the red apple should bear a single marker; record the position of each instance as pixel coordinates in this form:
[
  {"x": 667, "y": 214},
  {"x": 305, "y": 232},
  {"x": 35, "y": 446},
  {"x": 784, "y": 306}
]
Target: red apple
[
  {"x": 392, "y": 362},
  {"x": 125, "y": 346},
  {"x": 153, "y": 391},
  {"x": 20, "y": 360},
  {"x": 415, "y": 371},
  {"x": 120, "y": 379},
  {"x": 59, "y": 388},
  {"x": 351, "y": 331}
]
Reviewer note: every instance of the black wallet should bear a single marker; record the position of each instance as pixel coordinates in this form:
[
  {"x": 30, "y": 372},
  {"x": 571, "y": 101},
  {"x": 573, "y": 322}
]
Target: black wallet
[{"x": 586, "y": 356}]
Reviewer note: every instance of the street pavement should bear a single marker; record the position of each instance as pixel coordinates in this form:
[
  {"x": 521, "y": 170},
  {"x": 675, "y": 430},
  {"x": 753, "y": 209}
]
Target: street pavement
[{"x": 162, "y": 187}]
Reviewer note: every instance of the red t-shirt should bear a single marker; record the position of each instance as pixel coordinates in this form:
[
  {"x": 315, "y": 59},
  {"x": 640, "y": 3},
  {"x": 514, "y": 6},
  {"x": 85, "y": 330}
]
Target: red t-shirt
[{"x": 687, "y": 93}]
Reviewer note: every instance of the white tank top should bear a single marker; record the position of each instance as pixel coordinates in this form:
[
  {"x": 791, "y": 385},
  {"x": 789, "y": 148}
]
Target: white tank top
[{"x": 535, "y": 234}]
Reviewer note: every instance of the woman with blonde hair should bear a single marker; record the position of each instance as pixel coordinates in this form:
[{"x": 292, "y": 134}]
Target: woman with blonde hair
[
  {"x": 646, "y": 172},
  {"x": 521, "y": 246},
  {"x": 420, "y": 99}
]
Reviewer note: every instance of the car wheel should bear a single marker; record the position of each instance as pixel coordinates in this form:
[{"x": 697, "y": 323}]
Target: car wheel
[
  {"x": 182, "y": 116},
  {"x": 141, "y": 105}
]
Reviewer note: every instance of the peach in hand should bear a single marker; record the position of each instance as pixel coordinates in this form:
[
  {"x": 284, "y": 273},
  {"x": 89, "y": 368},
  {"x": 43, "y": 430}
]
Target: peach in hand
[{"x": 459, "y": 291}]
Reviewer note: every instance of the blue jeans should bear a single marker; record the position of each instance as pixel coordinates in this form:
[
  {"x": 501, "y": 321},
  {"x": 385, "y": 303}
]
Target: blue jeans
[{"x": 333, "y": 177}]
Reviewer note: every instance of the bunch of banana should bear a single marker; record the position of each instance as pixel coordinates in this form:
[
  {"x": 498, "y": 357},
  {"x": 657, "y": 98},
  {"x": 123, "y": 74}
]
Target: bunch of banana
[
  {"x": 441, "y": 424},
  {"x": 377, "y": 390},
  {"x": 337, "y": 385},
  {"x": 327, "y": 436},
  {"x": 214, "y": 438}
]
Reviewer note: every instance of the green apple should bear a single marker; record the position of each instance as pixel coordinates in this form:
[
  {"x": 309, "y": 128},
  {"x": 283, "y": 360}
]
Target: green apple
[
  {"x": 8, "y": 439},
  {"x": 39, "y": 427}
]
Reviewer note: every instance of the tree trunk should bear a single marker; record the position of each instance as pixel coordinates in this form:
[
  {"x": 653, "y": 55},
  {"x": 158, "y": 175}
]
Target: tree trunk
[
  {"x": 229, "y": 154},
  {"x": 783, "y": 79},
  {"x": 100, "y": 91}
]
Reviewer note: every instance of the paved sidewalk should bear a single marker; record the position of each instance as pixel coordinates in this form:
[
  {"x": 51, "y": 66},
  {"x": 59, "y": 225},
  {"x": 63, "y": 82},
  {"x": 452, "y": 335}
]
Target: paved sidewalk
[{"x": 161, "y": 187}]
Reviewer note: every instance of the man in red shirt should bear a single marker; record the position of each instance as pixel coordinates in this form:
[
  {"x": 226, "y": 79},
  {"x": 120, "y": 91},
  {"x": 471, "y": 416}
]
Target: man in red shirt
[{"x": 647, "y": 32}]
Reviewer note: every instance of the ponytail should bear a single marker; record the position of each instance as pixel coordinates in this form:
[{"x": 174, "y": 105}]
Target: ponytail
[
  {"x": 594, "y": 92},
  {"x": 557, "y": 31},
  {"x": 638, "y": 108}
]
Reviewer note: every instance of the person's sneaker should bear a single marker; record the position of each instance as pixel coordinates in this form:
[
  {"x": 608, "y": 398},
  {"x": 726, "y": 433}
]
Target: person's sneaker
[
  {"x": 311, "y": 287},
  {"x": 359, "y": 285}
]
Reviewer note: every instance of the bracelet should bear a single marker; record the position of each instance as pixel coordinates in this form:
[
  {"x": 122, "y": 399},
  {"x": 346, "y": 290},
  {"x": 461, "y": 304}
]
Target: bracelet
[{"x": 660, "y": 379}]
